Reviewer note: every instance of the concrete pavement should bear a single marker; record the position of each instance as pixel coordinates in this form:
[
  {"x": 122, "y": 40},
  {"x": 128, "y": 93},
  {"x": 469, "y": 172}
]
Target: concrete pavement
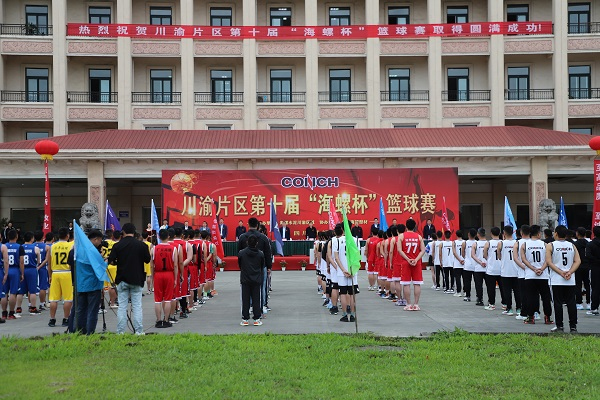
[{"x": 296, "y": 308}]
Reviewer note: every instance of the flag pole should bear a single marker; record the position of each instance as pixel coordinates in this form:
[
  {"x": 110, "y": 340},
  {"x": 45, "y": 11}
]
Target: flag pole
[{"x": 75, "y": 293}]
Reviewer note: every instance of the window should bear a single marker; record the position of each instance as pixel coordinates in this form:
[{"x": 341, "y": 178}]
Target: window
[
  {"x": 281, "y": 127},
  {"x": 36, "y": 135},
  {"x": 458, "y": 84},
  {"x": 398, "y": 16},
  {"x": 579, "y": 81},
  {"x": 346, "y": 126},
  {"x": 339, "y": 16},
  {"x": 518, "y": 83},
  {"x": 339, "y": 85},
  {"x": 584, "y": 131},
  {"x": 218, "y": 127},
  {"x": 281, "y": 16},
  {"x": 220, "y": 16},
  {"x": 579, "y": 17},
  {"x": 517, "y": 12},
  {"x": 399, "y": 83},
  {"x": 161, "y": 85},
  {"x": 36, "y": 18},
  {"x": 156, "y": 127},
  {"x": 281, "y": 85},
  {"x": 404, "y": 126},
  {"x": 457, "y": 15},
  {"x": 100, "y": 86},
  {"x": 99, "y": 15},
  {"x": 522, "y": 216},
  {"x": 221, "y": 84},
  {"x": 475, "y": 125},
  {"x": 36, "y": 84},
  {"x": 161, "y": 16}
]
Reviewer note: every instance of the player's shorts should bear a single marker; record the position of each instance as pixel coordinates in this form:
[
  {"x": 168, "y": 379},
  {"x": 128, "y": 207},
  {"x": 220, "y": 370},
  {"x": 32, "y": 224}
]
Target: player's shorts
[
  {"x": 184, "y": 286},
  {"x": 194, "y": 283},
  {"x": 202, "y": 275},
  {"x": 210, "y": 272},
  {"x": 335, "y": 286},
  {"x": 412, "y": 274},
  {"x": 61, "y": 286},
  {"x": 30, "y": 282},
  {"x": 397, "y": 271},
  {"x": 111, "y": 270},
  {"x": 43, "y": 278},
  {"x": 383, "y": 272},
  {"x": 347, "y": 289},
  {"x": 147, "y": 269},
  {"x": 13, "y": 281},
  {"x": 371, "y": 268},
  {"x": 163, "y": 286}
]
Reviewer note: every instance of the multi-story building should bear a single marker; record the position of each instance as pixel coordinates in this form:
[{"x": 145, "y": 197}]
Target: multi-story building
[{"x": 53, "y": 84}]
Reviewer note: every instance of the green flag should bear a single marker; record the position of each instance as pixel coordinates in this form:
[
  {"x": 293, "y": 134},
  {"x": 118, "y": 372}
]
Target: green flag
[{"x": 352, "y": 252}]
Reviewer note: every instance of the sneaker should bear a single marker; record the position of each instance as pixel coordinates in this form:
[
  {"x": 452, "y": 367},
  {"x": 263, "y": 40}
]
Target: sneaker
[
  {"x": 344, "y": 319},
  {"x": 167, "y": 324},
  {"x": 508, "y": 312},
  {"x": 536, "y": 315},
  {"x": 244, "y": 322},
  {"x": 42, "y": 307},
  {"x": 18, "y": 315},
  {"x": 325, "y": 302},
  {"x": 52, "y": 323},
  {"x": 2, "y": 321},
  {"x": 182, "y": 315},
  {"x": 351, "y": 318},
  {"x": 592, "y": 312},
  {"x": 19, "y": 310},
  {"x": 65, "y": 322},
  {"x": 437, "y": 288},
  {"x": 457, "y": 295},
  {"x": 479, "y": 303},
  {"x": 34, "y": 311},
  {"x": 11, "y": 316},
  {"x": 324, "y": 296},
  {"x": 503, "y": 307},
  {"x": 557, "y": 329},
  {"x": 520, "y": 317},
  {"x": 529, "y": 321},
  {"x": 173, "y": 320},
  {"x": 468, "y": 299},
  {"x": 573, "y": 329},
  {"x": 114, "y": 306},
  {"x": 384, "y": 296},
  {"x": 402, "y": 302},
  {"x": 548, "y": 320},
  {"x": 490, "y": 307},
  {"x": 329, "y": 305},
  {"x": 588, "y": 306},
  {"x": 334, "y": 310},
  {"x": 257, "y": 322},
  {"x": 518, "y": 312},
  {"x": 433, "y": 287},
  {"x": 449, "y": 291},
  {"x": 371, "y": 288},
  {"x": 159, "y": 324}
]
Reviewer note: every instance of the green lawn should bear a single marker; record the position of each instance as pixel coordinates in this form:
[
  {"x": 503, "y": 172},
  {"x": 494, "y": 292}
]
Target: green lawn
[{"x": 445, "y": 366}]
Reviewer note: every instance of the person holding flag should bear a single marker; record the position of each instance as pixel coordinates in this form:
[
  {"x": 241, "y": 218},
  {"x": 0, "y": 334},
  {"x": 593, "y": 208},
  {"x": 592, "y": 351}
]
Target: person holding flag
[{"x": 347, "y": 258}]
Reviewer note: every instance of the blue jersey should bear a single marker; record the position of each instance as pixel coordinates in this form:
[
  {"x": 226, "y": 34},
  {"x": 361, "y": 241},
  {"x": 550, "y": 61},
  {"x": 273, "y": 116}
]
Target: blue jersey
[
  {"x": 30, "y": 258},
  {"x": 42, "y": 247},
  {"x": 15, "y": 251}
]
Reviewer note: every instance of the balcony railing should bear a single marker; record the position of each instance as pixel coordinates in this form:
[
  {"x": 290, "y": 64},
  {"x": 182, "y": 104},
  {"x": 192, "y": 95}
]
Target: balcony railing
[
  {"x": 25, "y": 29},
  {"x": 281, "y": 97},
  {"x": 531, "y": 94},
  {"x": 582, "y": 28},
  {"x": 150, "y": 97},
  {"x": 27, "y": 97},
  {"x": 342, "y": 96},
  {"x": 589, "y": 93},
  {"x": 405, "y": 95},
  {"x": 92, "y": 97},
  {"x": 219, "y": 97},
  {"x": 466, "y": 95}
]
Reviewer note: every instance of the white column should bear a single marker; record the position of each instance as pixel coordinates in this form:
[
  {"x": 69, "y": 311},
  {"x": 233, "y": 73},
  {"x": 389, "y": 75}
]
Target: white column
[
  {"x": 496, "y": 65},
  {"x": 59, "y": 66},
  {"x": 187, "y": 68},
  {"x": 2, "y": 79},
  {"x": 434, "y": 66},
  {"x": 538, "y": 186},
  {"x": 560, "y": 65},
  {"x": 311, "y": 49},
  {"x": 373, "y": 69},
  {"x": 250, "y": 74},
  {"x": 97, "y": 187},
  {"x": 125, "y": 67}
]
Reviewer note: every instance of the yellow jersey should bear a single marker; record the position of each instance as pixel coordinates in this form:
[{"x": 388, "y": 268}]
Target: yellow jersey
[
  {"x": 59, "y": 255},
  {"x": 106, "y": 250}
]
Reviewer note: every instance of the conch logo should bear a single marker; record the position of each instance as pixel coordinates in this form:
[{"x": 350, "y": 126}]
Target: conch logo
[{"x": 310, "y": 182}]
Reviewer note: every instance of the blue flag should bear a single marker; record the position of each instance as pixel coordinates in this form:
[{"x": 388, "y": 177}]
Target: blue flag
[
  {"x": 562, "y": 216},
  {"x": 275, "y": 230},
  {"x": 508, "y": 217},
  {"x": 382, "y": 221},
  {"x": 154, "y": 218},
  {"x": 111, "y": 221},
  {"x": 90, "y": 266}
]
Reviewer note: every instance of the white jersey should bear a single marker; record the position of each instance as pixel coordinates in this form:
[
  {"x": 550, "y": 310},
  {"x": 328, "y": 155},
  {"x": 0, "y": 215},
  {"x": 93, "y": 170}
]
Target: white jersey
[
  {"x": 338, "y": 245},
  {"x": 494, "y": 265},
  {"x": 563, "y": 254},
  {"x": 447, "y": 255},
  {"x": 436, "y": 252},
  {"x": 469, "y": 262},
  {"x": 480, "y": 245},
  {"x": 518, "y": 257},
  {"x": 458, "y": 247},
  {"x": 535, "y": 253},
  {"x": 510, "y": 269}
]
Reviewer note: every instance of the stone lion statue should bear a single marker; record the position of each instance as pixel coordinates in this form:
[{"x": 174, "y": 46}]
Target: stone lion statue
[
  {"x": 548, "y": 216},
  {"x": 90, "y": 217}
]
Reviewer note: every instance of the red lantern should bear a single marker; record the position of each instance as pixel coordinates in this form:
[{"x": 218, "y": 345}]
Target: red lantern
[{"x": 46, "y": 149}]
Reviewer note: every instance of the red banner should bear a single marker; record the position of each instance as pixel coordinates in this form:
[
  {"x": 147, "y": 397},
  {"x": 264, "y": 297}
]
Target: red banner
[
  {"x": 302, "y": 196},
  {"x": 596, "y": 211},
  {"x": 309, "y": 32},
  {"x": 47, "y": 225},
  {"x": 215, "y": 234}
]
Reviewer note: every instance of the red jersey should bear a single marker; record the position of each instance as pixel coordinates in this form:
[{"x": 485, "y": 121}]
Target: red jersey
[
  {"x": 397, "y": 259},
  {"x": 164, "y": 257},
  {"x": 372, "y": 249},
  {"x": 182, "y": 245},
  {"x": 411, "y": 244}
]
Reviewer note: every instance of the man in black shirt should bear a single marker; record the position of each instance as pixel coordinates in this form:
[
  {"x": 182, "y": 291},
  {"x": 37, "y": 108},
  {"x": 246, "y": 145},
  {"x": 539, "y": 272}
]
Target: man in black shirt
[
  {"x": 130, "y": 255},
  {"x": 311, "y": 231},
  {"x": 357, "y": 231},
  {"x": 251, "y": 262},
  {"x": 592, "y": 251},
  {"x": 240, "y": 230},
  {"x": 264, "y": 245},
  {"x": 582, "y": 274}
]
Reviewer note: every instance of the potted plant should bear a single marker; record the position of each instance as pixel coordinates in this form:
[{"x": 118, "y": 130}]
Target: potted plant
[
  {"x": 283, "y": 264},
  {"x": 303, "y": 265},
  {"x": 31, "y": 29}
]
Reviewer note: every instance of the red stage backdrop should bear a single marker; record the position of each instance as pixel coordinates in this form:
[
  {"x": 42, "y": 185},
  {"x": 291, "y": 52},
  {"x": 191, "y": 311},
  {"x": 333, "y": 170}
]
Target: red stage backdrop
[{"x": 301, "y": 196}]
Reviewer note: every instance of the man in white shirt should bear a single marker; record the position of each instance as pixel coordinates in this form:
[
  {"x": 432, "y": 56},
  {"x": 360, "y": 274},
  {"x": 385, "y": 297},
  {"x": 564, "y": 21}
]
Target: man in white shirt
[{"x": 533, "y": 256}]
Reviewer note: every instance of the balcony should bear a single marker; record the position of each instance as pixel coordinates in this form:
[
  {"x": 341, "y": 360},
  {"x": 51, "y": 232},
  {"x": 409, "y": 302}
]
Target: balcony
[
  {"x": 405, "y": 95},
  {"x": 529, "y": 94},
  {"x": 583, "y": 28},
  {"x": 342, "y": 96},
  {"x": 92, "y": 97},
  {"x": 220, "y": 97},
  {"x": 25, "y": 29},
  {"x": 150, "y": 97},
  {"x": 281, "y": 97},
  {"x": 26, "y": 97},
  {"x": 465, "y": 95},
  {"x": 587, "y": 93}
]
